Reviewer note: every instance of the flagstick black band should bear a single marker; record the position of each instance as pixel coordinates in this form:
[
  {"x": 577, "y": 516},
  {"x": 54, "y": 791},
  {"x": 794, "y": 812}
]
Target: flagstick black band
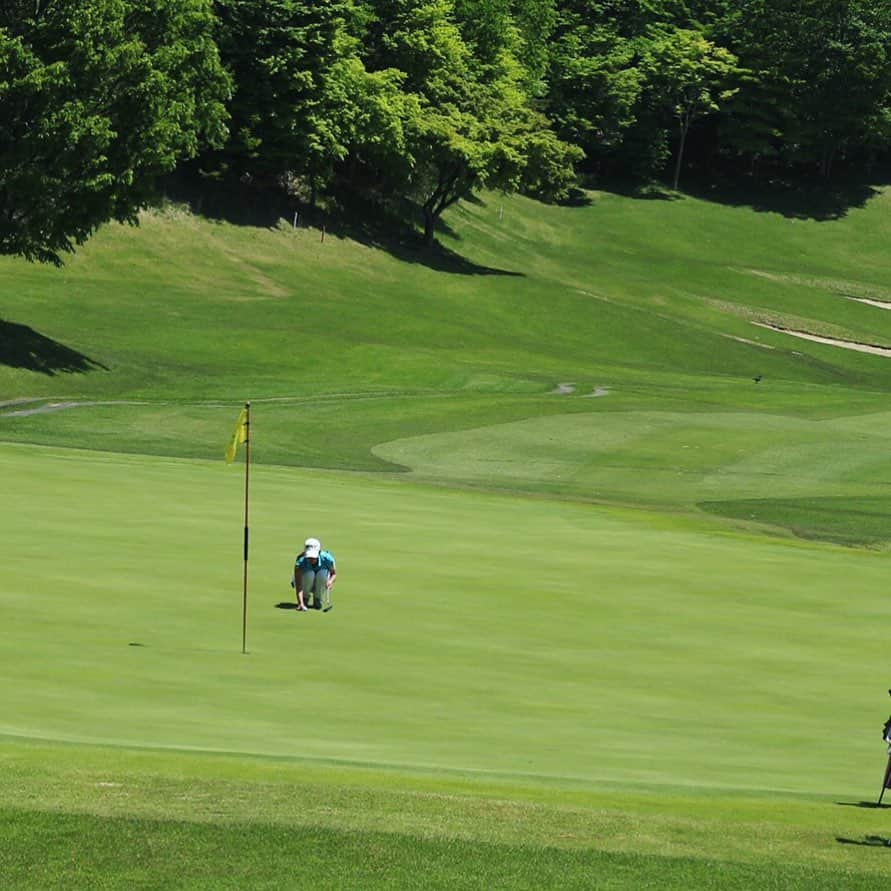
[{"x": 247, "y": 477}]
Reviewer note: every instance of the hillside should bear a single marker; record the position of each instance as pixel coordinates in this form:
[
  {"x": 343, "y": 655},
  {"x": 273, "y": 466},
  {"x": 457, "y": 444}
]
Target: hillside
[{"x": 615, "y": 351}]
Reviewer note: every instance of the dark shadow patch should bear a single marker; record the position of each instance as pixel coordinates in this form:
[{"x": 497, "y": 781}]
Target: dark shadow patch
[
  {"x": 287, "y": 604},
  {"x": 386, "y": 225},
  {"x": 639, "y": 191},
  {"x": 796, "y": 198},
  {"x": 870, "y": 805},
  {"x": 23, "y": 347},
  {"x": 404, "y": 244},
  {"x": 576, "y": 198},
  {"x": 857, "y": 522},
  {"x": 230, "y": 200},
  {"x": 871, "y": 841}
]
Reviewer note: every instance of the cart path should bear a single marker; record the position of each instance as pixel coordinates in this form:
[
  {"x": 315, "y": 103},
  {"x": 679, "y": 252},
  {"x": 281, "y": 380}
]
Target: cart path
[{"x": 48, "y": 404}]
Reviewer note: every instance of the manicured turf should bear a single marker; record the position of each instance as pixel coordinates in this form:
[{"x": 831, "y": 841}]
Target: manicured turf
[
  {"x": 611, "y": 610},
  {"x": 450, "y": 646}
]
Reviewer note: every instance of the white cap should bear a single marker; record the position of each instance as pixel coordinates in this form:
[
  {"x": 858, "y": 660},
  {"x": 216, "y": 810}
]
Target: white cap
[{"x": 311, "y": 547}]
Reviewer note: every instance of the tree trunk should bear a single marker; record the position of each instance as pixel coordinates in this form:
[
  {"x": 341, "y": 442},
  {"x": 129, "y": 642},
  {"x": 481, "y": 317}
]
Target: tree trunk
[
  {"x": 677, "y": 164},
  {"x": 430, "y": 221}
]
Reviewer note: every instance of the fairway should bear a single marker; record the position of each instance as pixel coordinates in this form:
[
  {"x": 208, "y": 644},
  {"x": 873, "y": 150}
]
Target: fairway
[
  {"x": 611, "y": 599},
  {"x": 717, "y": 650}
]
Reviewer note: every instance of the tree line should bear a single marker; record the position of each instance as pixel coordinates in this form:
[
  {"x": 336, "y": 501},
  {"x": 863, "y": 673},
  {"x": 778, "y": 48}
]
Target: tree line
[{"x": 425, "y": 100}]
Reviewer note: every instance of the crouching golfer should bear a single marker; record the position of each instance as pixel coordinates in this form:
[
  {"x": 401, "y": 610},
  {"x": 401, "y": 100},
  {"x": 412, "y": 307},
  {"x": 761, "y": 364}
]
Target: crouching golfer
[{"x": 314, "y": 576}]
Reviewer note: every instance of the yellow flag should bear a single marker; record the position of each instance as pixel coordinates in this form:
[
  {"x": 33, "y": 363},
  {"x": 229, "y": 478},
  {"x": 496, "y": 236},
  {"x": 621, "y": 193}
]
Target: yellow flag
[{"x": 239, "y": 436}]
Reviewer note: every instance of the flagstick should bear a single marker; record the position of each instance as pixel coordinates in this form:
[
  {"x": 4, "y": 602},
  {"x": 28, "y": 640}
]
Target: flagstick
[{"x": 247, "y": 477}]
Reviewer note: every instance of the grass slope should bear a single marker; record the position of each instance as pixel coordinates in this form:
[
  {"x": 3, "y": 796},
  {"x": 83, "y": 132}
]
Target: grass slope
[{"x": 406, "y": 364}]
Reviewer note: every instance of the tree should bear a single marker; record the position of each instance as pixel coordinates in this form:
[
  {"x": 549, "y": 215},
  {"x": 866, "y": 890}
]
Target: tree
[
  {"x": 535, "y": 21},
  {"x": 688, "y": 74},
  {"x": 373, "y": 115},
  {"x": 594, "y": 81},
  {"x": 493, "y": 141},
  {"x": 817, "y": 81},
  {"x": 97, "y": 99},
  {"x": 283, "y": 55},
  {"x": 472, "y": 124}
]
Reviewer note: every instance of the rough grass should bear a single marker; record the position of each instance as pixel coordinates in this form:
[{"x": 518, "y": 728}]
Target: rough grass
[
  {"x": 849, "y": 521},
  {"x": 126, "y": 818},
  {"x": 89, "y": 852}
]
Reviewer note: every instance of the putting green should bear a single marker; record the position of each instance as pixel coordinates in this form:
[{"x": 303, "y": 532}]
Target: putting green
[{"x": 477, "y": 634}]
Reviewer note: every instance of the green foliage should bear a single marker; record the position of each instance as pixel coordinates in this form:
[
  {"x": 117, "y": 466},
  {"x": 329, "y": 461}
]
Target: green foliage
[
  {"x": 819, "y": 77},
  {"x": 687, "y": 75},
  {"x": 535, "y": 21},
  {"x": 98, "y": 98},
  {"x": 374, "y": 113},
  {"x": 429, "y": 100},
  {"x": 594, "y": 79},
  {"x": 285, "y": 56},
  {"x": 472, "y": 124}
]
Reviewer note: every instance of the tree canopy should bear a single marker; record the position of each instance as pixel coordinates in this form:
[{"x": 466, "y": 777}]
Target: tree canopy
[
  {"x": 421, "y": 100},
  {"x": 98, "y": 98}
]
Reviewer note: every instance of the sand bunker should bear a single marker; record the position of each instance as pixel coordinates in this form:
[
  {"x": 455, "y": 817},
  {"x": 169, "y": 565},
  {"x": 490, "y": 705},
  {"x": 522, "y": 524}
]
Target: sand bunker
[
  {"x": 881, "y": 304},
  {"x": 831, "y": 341}
]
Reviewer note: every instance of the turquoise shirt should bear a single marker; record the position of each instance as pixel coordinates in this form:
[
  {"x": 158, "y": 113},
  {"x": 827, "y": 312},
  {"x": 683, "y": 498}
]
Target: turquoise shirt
[{"x": 326, "y": 561}]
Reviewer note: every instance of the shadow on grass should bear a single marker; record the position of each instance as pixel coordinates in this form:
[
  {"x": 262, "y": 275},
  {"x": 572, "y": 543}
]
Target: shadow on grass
[
  {"x": 871, "y": 841},
  {"x": 576, "y": 198},
  {"x": 370, "y": 223},
  {"x": 287, "y": 604},
  {"x": 23, "y": 347},
  {"x": 873, "y": 805},
  {"x": 640, "y": 191},
  {"x": 396, "y": 236},
  {"x": 822, "y": 200},
  {"x": 794, "y": 197}
]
